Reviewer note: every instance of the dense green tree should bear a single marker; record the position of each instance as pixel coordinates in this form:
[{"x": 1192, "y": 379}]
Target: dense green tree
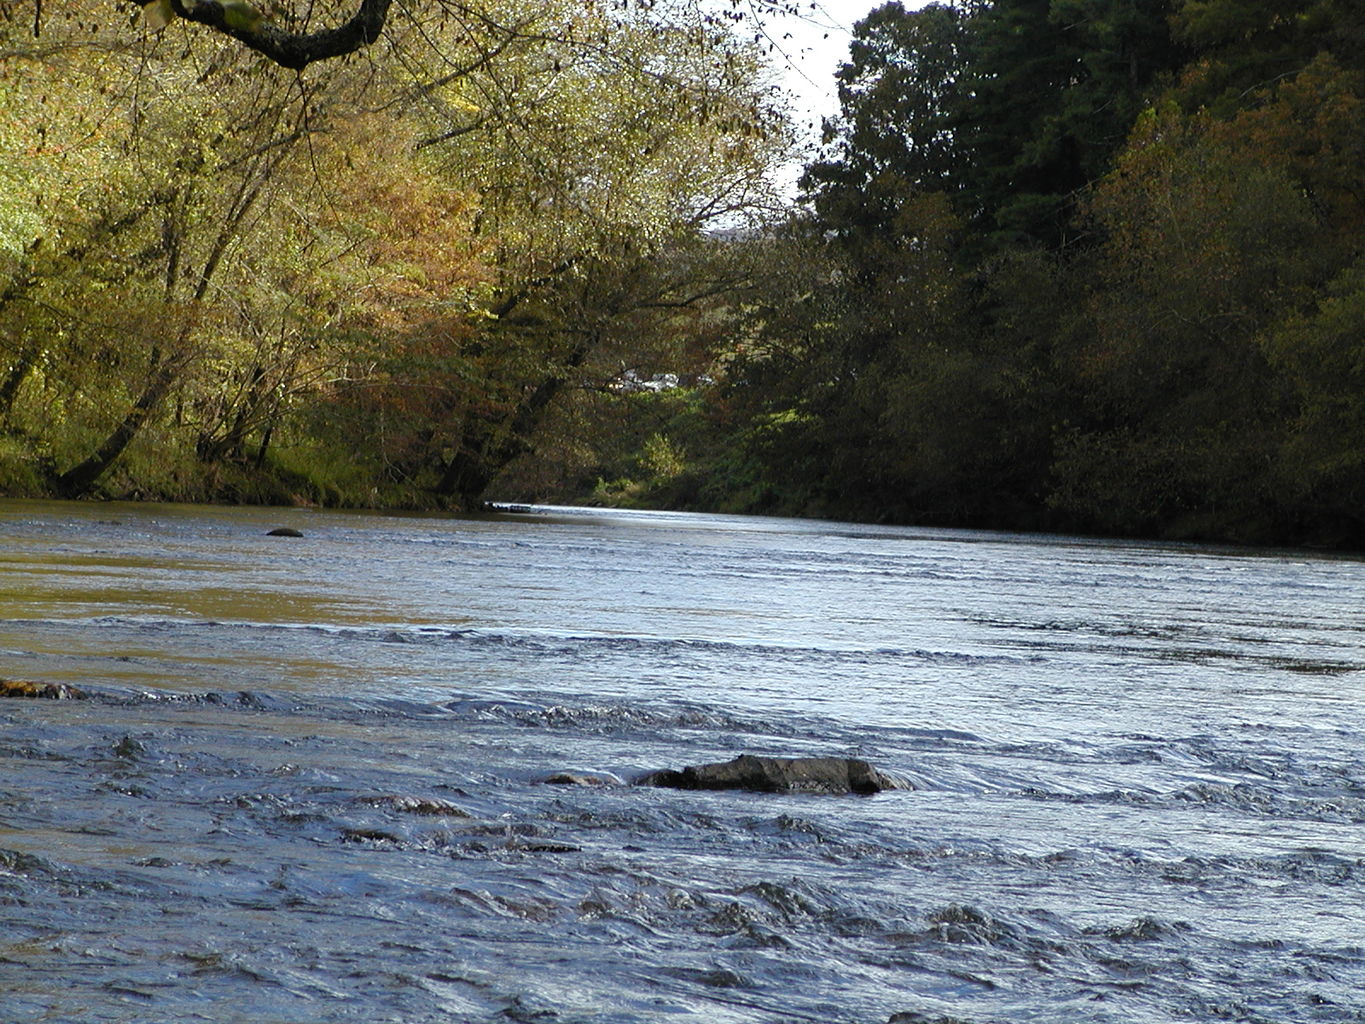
[
  {"x": 924, "y": 392},
  {"x": 1320, "y": 466},
  {"x": 894, "y": 138},
  {"x": 1054, "y": 87},
  {"x": 1244, "y": 48},
  {"x": 1218, "y": 233},
  {"x": 1158, "y": 376}
]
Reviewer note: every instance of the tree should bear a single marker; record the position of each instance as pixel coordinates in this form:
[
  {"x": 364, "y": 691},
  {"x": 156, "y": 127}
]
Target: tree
[
  {"x": 288, "y": 37},
  {"x": 1054, "y": 87},
  {"x": 367, "y": 281},
  {"x": 593, "y": 167},
  {"x": 289, "y": 49},
  {"x": 1209, "y": 242},
  {"x": 295, "y": 47},
  {"x": 227, "y": 232},
  {"x": 190, "y": 163},
  {"x": 900, "y": 95},
  {"x": 1320, "y": 466},
  {"x": 1245, "y": 48}
]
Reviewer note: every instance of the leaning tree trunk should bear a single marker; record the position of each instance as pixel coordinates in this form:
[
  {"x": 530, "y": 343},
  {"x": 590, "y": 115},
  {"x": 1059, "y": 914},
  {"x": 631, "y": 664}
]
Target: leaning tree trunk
[
  {"x": 482, "y": 456},
  {"x": 27, "y": 357},
  {"x": 165, "y": 370},
  {"x": 78, "y": 480}
]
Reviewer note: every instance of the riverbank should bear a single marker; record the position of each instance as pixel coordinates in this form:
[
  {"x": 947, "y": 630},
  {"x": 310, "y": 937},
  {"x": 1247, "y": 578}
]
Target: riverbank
[
  {"x": 715, "y": 472},
  {"x": 277, "y": 487}
]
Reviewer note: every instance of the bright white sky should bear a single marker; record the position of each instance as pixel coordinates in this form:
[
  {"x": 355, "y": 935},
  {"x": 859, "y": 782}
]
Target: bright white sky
[{"x": 814, "y": 47}]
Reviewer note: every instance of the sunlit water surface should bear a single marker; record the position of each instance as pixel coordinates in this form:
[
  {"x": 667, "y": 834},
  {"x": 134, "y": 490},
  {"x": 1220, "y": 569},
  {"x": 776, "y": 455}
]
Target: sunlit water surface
[{"x": 1139, "y": 794}]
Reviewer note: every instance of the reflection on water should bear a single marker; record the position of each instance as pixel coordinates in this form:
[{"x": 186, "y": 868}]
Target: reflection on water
[{"x": 1139, "y": 792}]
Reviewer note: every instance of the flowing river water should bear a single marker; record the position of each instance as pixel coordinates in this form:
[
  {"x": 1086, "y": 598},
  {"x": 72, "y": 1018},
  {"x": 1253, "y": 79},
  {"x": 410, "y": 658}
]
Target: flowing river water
[{"x": 307, "y": 782}]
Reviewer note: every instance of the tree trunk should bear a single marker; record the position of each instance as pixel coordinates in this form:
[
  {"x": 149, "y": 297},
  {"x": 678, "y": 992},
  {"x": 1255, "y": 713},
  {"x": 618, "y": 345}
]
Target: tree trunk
[
  {"x": 28, "y": 355},
  {"x": 232, "y": 443},
  {"x": 266, "y": 435},
  {"x": 78, "y": 480},
  {"x": 9, "y": 389},
  {"x": 481, "y": 457}
]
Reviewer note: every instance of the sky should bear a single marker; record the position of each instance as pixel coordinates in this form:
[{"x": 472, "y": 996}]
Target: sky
[
  {"x": 809, "y": 51},
  {"x": 814, "y": 47}
]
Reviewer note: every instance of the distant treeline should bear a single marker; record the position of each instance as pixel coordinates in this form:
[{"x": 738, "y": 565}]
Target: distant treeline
[{"x": 1092, "y": 265}]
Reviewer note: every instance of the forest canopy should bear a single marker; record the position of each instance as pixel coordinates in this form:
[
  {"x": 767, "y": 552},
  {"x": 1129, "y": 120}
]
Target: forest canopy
[
  {"x": 1088, "y": 265},
  {"x": 363, "y": 282}
]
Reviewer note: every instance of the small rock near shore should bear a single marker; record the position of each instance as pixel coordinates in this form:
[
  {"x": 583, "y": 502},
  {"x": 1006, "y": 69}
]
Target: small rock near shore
[
  {"x": 47, "y": 691},
  {"x": 830, "y": 775},
  {"x": 284, "y": 531}
]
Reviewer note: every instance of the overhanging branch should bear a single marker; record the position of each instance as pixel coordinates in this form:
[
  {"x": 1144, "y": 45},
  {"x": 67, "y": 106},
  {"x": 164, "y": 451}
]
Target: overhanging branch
[{"x": 288, "y": 49}]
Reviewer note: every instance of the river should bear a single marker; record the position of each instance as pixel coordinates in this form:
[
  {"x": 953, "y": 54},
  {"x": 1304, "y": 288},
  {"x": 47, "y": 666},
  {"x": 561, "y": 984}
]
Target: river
[{"x": 307, "y": 782}]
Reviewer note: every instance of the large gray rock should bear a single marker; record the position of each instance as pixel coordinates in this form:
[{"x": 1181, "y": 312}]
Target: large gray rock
[{"x": 780, "y": 775}]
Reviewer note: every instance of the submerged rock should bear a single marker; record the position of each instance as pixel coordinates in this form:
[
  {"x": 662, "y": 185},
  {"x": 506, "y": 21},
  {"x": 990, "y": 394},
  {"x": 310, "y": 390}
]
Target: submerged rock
[
  {"x": 284, "y": 531},
  {"x": 835, "y": 775},
  {"x": 581, "y": 778},
  {"x": 545, "y": 847},
  {"x": 47, "y": 691},
  {"x": 129, "y": 749},
  {"x": 370, "y": 835},
  {"x": 430, "y": 806}
]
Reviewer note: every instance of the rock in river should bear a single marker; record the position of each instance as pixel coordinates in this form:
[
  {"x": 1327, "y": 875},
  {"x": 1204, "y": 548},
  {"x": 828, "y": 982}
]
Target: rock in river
[
  {"x": 49, "y": 691},
  {"x": 780, "y": 775},
  {"x": 583, "y": 778},
  {"x": 284, "y": 531},
  {"x": 430, "y": 806}
]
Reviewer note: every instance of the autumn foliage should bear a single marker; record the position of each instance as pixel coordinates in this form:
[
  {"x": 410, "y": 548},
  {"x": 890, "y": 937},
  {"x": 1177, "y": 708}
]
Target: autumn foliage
[{"x": 358, "y": 282}]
